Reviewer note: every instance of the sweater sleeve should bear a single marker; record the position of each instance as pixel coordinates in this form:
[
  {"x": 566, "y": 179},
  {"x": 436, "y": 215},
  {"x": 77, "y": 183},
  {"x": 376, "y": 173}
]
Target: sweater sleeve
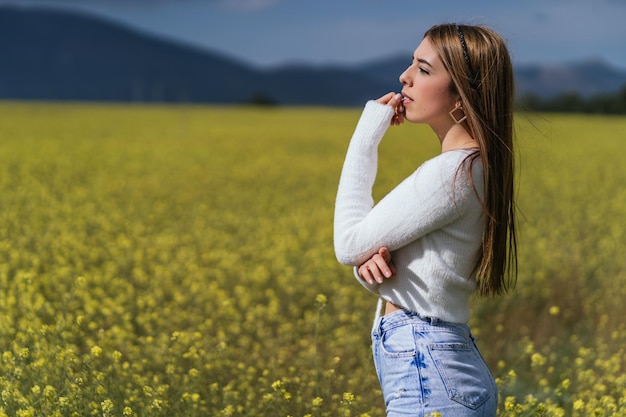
[{"x": 423, "y": 202}]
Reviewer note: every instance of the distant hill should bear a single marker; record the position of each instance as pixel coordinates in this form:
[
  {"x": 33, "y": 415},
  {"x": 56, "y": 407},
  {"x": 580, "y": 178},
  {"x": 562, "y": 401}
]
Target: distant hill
[
  {"x": 51, "y": 54},
  {"x": 585, "y": 78},
  {"x": 59, "y": 55}
]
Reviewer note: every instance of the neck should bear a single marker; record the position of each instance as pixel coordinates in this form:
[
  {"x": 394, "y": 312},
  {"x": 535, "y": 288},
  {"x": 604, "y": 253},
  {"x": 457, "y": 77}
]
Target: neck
[{"x": 456, "y": 137}]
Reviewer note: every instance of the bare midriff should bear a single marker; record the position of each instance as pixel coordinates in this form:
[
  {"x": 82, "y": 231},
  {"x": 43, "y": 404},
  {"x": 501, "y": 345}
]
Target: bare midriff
[{"x": 390, "y": 308}]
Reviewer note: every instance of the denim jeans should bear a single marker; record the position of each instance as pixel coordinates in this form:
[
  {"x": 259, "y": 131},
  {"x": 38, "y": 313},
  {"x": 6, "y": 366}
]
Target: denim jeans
[{"x": 427, "y": 366}]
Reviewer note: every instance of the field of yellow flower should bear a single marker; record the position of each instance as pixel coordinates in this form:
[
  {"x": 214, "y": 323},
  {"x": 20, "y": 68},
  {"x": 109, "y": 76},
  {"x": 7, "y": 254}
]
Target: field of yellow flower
[{"x": 178, "y": 261}]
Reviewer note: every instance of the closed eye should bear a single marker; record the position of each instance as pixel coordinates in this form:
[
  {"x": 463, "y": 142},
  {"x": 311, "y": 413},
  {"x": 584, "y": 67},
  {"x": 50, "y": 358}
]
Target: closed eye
[{"x": 424, "y": 64}]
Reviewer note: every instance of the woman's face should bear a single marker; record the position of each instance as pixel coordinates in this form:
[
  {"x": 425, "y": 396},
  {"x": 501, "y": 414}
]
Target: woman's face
[{"x": 426, "y": 88}]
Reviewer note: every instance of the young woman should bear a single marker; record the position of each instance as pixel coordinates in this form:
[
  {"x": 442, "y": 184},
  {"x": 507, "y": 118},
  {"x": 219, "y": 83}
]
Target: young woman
[{"x": 445, "y": 232}]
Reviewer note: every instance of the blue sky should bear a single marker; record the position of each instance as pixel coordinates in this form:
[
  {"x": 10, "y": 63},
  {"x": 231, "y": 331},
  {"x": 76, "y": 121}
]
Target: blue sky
[{"x": 274, "y": 32}]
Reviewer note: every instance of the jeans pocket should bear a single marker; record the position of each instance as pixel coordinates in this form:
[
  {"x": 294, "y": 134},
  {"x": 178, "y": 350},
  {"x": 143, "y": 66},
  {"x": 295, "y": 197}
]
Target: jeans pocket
[
  {"x": 398, "y": 342},
  {"x": 464, "y": 373}
]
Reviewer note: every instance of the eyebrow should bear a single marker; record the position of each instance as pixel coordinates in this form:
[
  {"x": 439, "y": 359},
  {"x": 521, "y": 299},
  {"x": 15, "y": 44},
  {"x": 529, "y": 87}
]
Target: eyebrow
[{"x": 423, "y": 61}]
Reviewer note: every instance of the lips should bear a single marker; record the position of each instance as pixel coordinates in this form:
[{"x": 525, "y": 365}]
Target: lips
[{"x": 406, "y": 99}]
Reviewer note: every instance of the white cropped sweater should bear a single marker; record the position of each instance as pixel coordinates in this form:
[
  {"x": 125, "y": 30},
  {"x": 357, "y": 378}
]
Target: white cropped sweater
[{"x": 431, "y": 222}]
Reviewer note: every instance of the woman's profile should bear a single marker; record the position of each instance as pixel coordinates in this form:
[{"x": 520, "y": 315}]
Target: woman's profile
[{"x": 444, "y": 233}]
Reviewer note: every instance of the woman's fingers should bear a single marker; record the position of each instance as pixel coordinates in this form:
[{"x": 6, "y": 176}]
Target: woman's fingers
[
  {"x": 386, "y": 98},
  {"x": 384, "y": 252},
  {"x": 381, "y": 269},
  {"x": 386, "y": 255},
  {"x": 378, "y": 267},
  {"x": 376, "y": 270},
  {"x": 365, "y": 274},
  {"x": 394, "y": 100},
  {"x": 371, "y": 272}
]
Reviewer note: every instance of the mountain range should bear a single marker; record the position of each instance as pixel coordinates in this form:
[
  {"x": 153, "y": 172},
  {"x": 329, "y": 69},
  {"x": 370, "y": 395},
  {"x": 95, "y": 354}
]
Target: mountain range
[{"x": 49, "y": 54}]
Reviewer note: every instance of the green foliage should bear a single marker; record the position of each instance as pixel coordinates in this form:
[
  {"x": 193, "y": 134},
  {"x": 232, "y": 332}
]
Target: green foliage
[
  {"x": 178, "y": 261},
  {"x": 602, "y": 103}
]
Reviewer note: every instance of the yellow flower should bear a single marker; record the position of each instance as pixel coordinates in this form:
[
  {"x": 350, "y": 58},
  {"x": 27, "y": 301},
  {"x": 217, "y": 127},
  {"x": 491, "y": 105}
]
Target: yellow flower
[
  {"x": 96, "y": 351},
  {"x": 579, "y": 404},
  {"x": 566, "y": 383},
  {"x": 25, "y": 413},
  {"x": 49, "y": 392},
  {"x": 509, "y": 403},
  {"x": 320, "y": 301},
  {"x": 24, "y": 353},
  {"x": 106, "y": 406},
  {"x": 530, "y": 348},
  {"x": 537, "y": 359},
  {"x": 156, "y": 404},
  {"x": 348, "y": 397},
  {"x": 531, "y": 399}
]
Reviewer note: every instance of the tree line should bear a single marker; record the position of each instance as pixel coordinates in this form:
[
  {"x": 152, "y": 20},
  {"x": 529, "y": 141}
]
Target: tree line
[{"x": 607, "y": 103}]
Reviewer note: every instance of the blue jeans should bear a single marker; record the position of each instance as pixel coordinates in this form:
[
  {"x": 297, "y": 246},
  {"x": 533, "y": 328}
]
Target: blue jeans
[{"x": 427, "y": 366}]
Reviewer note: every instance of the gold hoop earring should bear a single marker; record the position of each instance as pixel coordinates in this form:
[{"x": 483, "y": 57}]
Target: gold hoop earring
[{"x": 454, "y": 113}]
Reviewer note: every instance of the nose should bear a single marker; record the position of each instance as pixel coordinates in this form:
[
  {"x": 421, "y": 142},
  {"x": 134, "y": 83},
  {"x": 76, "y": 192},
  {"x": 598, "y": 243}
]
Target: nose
[{"x": 404, "y": 79}]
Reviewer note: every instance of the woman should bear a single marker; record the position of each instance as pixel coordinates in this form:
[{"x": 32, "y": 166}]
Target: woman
[{"x": 449, "y": 228}]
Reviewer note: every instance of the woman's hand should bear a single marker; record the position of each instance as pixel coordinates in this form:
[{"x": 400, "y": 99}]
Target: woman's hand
[
  {"x": 378, "y": 267},
  {"x": 395, "y": 101}
]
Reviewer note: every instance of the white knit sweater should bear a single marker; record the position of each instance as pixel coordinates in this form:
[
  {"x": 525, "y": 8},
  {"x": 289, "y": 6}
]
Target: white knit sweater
[{"x": 431, "y": 222}]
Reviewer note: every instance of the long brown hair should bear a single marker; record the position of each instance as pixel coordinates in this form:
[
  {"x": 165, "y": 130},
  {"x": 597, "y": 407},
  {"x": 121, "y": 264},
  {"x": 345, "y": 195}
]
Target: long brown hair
[{"x": 482, "y": 74}]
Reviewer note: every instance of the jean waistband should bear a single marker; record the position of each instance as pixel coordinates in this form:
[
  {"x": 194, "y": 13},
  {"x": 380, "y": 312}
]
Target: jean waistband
[{"x": 402, "y": 317}]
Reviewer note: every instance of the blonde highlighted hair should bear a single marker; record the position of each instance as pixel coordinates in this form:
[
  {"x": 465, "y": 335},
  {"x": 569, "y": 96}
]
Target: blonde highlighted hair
[{"x": 479, "y": 64}]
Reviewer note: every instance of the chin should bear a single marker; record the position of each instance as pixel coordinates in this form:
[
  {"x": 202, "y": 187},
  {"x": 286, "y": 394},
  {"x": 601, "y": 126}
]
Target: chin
[{"x": 413, "y": 119}]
